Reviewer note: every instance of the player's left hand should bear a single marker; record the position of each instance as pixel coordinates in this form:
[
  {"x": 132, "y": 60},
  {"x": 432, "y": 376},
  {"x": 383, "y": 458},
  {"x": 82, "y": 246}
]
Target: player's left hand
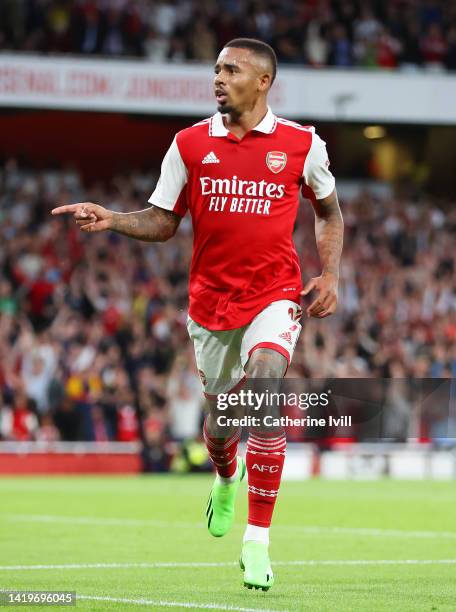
[{"x": 325, "y": 303}]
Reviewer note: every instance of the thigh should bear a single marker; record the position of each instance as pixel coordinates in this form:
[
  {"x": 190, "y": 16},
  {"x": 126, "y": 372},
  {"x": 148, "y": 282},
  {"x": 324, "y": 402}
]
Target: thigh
[
  {"x": 218, "y": 357},
  {"x": 276, "y": 327}
]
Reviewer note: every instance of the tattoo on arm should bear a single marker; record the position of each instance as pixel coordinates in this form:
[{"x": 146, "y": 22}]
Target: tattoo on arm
[
  {"x": 152, "y": 224},
  {"x": 329, "y": 232}
]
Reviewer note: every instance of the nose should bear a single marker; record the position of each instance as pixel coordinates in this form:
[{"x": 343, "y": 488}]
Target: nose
[{"x": 218, "y": 79}]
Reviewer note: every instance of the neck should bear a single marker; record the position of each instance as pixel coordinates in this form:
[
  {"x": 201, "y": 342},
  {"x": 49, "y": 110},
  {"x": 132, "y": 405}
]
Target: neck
[{"x": 243, "y": 122}]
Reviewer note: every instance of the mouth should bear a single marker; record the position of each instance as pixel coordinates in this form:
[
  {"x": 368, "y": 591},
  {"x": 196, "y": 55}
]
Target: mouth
[{"x": 220, "y": 96}]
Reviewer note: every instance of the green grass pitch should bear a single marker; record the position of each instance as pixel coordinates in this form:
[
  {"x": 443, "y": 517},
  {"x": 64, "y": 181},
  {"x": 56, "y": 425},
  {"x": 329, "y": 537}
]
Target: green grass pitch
[{"x": 140, "y": 543}]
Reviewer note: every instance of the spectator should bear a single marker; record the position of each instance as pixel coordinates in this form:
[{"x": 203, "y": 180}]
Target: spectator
[
  {"x": 47, "y": 431},
  {"x": 367, "y": 27},
  {"x": 177, "y": 50},
  {"x": 316, "y": 45},
  {"x": 202, "y": 42},
  {"x": 346, "y": 14},
  {"x": 340, "y": 54},
  {"x": 411, "y": 56},
  {"x": 165, "y": 17},
  {"x": 434, "y": 47},
  {"x": 226, "y": 27},
  {"x": 19, "y": 422},
  {"x": 88, "y": 30},
  {"x": 156, "y": 46},
  {"x": 286, "y": 41},
  {"x": 114, "y": 34},
  {"x": 263, "y": 19},
  {"x": 388, "y": 49},
  {"x": 135, "y": 30},
  {"x": 451, "y": 54},
  {"x": 185, "y": 400},
  {"x": 8, "y": 303},
  {"x": 57, "y": 29},
  {"x": 67, "y": 420},
  {"x": 38, "y": 368}
]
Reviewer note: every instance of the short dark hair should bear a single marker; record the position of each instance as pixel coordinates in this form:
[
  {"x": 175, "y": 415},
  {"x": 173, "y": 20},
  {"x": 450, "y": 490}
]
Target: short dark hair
[{"x": 259, "y": 47}]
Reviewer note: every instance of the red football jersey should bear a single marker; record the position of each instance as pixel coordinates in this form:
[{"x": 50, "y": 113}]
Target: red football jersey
[{"x": 243, "y": 197}]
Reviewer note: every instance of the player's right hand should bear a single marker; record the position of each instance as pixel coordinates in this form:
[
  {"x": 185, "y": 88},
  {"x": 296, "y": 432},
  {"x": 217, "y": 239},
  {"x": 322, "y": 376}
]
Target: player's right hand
[{"x": 90, "y": 217}]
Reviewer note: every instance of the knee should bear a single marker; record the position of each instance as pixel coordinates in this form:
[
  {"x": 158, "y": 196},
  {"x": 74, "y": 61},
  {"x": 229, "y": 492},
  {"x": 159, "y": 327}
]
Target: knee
[
  {"x": 221, "y": 431},
  {"x": 266, "y": 363}
]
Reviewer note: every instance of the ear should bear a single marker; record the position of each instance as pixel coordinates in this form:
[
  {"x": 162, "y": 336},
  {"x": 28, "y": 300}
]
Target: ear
[{"x": 264, "y": 81}]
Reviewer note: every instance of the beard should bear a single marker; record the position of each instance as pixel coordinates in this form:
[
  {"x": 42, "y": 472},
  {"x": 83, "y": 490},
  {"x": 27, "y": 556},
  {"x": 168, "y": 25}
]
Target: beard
[{"x": 225, "y": 108}]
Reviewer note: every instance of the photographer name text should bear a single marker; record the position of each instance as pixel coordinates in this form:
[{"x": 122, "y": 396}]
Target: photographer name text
[{"x": 284, "y": 421}]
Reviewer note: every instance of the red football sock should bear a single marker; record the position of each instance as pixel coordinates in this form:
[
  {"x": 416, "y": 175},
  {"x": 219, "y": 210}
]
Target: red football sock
[
  {"x": 223, "y": 452},
  {"x": 265, "y": 457}
]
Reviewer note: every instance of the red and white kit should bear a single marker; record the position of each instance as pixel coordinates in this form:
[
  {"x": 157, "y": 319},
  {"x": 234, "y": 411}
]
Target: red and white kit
[{"x": 243, "y": 197}]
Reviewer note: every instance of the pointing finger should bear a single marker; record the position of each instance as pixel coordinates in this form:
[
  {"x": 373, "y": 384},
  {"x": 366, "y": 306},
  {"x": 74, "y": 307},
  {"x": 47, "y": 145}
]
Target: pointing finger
[{"x": 68, "y": 208}]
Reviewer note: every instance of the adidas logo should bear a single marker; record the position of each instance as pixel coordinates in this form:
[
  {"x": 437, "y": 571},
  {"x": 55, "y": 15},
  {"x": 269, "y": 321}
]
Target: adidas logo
[
  {"x": 211, "y": 158},
  {"x": 286, "y": 336}
]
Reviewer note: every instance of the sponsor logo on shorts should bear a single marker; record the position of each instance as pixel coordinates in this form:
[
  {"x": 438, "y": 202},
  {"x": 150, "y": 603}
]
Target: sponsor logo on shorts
[{"x": 286, "y": 336}]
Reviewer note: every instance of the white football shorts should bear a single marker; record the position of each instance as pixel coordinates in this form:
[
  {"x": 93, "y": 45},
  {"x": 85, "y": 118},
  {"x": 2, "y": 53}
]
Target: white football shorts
[{"x": 222, "y": 355}]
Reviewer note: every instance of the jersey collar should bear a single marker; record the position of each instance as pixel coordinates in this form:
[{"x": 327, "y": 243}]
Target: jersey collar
[{"x": 267, "y": 125}]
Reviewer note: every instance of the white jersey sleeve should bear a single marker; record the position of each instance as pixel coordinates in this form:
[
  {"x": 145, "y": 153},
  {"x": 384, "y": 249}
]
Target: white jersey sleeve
[
  {"x": 316, "y": 171},
  {"x": 173, "y": 179}
]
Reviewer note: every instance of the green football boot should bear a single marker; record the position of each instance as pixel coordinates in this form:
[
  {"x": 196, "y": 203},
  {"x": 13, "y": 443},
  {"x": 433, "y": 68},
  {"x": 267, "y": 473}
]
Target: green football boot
[
  {"x": 256, "y": 566},
  {"x": 220, "y": 505}
]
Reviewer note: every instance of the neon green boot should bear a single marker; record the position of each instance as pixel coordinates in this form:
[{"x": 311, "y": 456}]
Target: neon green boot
[
  {"x": 220, "y": 505},
  {"x": 255, "y": 563}
]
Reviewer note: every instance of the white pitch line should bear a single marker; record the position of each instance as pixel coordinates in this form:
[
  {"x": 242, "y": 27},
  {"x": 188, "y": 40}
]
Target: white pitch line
[
  {"x": 367, "y": 531},
  {"x": 308, "y": 529},
  {"x": 203, "y": 564},
  {"x": 368, "y": 562},
  {"x": 164, "y": 564},
  {"x": 90, "y": 520},
  {"x": 174, "y": 604}
]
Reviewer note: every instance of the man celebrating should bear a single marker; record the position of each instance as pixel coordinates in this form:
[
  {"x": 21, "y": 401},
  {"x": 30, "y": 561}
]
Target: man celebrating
[{"x": 239, "y": 173}]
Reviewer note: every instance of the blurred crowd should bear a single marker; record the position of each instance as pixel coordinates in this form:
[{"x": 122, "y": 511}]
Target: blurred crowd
[
  {"x": 373, "y": 34},
  {"x": 93, "y": 327}
]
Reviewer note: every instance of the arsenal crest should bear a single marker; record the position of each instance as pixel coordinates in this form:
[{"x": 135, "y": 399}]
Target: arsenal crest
[{"x": 276, "y": 161}]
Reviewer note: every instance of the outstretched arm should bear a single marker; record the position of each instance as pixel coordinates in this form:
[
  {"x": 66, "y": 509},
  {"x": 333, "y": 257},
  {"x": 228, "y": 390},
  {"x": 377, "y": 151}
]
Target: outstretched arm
[
  {"x": 152, "y": 224},
  {"x": 329, "y": 233}
]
